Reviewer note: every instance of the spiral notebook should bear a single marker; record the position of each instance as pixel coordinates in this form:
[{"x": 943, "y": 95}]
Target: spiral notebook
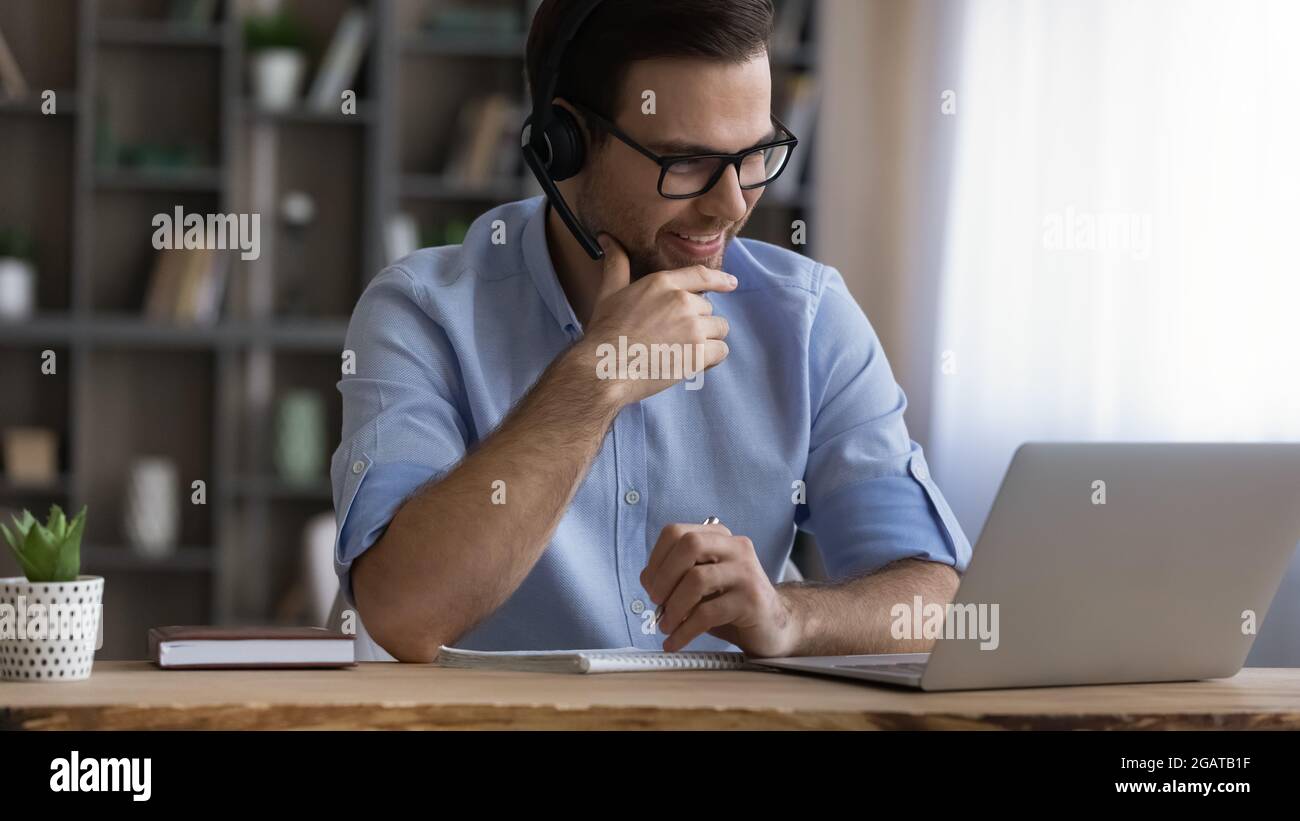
[{"x": 616, "y": 660}]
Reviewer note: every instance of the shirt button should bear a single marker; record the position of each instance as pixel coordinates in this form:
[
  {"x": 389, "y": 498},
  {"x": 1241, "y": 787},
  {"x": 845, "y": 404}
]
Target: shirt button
[
  {"x": 631, "y": 497},
  {"x": 358, "y": 466},
  {"x": 919, "y": 470},
  {"x": 638, "y": 606}
]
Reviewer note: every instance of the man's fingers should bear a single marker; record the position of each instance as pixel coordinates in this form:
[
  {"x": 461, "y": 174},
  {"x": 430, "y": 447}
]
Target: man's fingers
[
  {"x": 716, "y": 327},
  {"x": 701, "y": 303},
  {"x": 668, "y": 538},
  {"x": 713, "y": 352},
  {"x": 699, "y": 583},
  {"x": 698, "y": 278},
  {"x": 618, "y": 271},
  {"x": 700, "y": 543},
  {"x": 715, "y": 612}
]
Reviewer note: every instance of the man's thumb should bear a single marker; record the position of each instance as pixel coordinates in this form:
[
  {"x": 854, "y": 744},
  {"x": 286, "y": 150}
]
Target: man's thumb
[{"x": 617, "y": 270}]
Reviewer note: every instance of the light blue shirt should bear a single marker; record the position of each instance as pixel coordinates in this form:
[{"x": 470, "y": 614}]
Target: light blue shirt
[{"x": 802, "y": 425}]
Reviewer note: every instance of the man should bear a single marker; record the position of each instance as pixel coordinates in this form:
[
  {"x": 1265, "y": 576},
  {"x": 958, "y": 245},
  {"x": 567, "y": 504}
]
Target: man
[{"x": 495, "y": 491}]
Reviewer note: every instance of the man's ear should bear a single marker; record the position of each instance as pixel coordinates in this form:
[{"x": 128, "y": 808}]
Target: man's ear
[
  {"x": 582, "y": 121},
  {"x": 565, "y": 104}
]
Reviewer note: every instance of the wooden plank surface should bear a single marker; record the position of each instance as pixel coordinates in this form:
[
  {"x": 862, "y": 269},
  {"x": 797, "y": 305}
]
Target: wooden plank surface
[{"x": 136, "y": 695}]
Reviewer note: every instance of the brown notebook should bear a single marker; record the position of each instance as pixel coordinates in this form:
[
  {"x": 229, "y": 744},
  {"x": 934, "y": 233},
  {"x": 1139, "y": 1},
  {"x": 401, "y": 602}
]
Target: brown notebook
[{"x": 186, "y": 647}]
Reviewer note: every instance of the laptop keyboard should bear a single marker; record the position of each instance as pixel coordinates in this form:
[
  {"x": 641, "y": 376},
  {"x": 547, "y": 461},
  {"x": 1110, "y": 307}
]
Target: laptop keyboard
[{"x": 910, "y": 668}]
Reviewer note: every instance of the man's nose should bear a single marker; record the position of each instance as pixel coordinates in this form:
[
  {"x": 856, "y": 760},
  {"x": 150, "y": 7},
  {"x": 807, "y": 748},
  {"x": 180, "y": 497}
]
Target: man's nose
[{"x": 725, "y": 199}]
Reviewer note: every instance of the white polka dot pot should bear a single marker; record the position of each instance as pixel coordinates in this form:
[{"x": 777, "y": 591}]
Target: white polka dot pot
[{"x": 49, "y": 630}]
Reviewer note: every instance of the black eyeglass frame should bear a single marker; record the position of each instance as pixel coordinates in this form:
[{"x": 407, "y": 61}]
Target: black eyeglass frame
[{"x": 666, "y": 161}]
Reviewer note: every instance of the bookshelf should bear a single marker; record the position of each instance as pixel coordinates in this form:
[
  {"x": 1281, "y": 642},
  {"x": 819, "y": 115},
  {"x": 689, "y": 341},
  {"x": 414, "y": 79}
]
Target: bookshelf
[{"x": 204, "y": 395}]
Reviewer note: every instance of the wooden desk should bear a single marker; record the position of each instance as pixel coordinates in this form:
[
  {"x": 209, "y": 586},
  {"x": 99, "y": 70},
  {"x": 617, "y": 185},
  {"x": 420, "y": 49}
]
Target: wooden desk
[{"x": 134, "y": 695}]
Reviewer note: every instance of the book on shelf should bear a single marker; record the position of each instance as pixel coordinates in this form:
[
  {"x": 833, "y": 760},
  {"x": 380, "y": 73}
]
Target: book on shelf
[
  {"x": 12, "y": 82},
  {"x": 486, "y": 140},
  {"x": 31, "y": 455},
  {"x": 338, "y": 68},
  {"x": 802, "y": 101},
  {"x": 508, "y": 159},
  {"x": 212, "y": 295},
  {"x": 187, "y": 286}
]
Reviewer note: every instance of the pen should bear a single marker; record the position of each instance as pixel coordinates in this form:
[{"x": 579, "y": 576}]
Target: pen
[{"x": 659, "y": 608}]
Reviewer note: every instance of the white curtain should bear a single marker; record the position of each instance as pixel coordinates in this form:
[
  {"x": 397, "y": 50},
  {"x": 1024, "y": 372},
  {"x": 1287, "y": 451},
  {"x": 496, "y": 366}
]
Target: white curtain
[{"x": 1121, "y": 258}]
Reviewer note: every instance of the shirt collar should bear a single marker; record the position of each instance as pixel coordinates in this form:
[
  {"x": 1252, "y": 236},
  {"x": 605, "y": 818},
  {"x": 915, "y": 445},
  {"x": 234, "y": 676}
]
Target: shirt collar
[{"x": 537, "y": 257}]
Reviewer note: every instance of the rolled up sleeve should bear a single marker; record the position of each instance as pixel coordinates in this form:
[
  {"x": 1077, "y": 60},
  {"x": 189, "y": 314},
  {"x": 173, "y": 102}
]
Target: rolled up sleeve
[
  {"x": 870, "y": 497},
  {"x": 403, "y": 420}
]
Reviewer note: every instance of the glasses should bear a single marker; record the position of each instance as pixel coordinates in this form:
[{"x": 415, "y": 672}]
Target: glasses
[{"x": 683, "y": 176}]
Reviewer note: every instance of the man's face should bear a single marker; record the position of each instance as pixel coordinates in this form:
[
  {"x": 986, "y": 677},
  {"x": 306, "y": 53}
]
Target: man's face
[{"x": 701, "y": 106}]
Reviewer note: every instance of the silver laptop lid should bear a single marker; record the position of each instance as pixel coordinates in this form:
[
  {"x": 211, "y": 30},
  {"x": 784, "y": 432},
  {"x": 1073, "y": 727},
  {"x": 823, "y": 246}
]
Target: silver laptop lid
[{"x": 1115, "y": 562}]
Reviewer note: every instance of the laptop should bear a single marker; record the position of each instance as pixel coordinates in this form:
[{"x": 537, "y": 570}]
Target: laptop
[{"x": 1107, "y": 563}]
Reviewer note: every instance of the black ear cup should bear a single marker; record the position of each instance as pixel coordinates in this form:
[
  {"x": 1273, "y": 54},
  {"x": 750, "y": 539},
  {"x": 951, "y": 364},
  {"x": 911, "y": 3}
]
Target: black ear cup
[
  {"x": 567, "y": 151},
  {"x": 556, "y": 151}
]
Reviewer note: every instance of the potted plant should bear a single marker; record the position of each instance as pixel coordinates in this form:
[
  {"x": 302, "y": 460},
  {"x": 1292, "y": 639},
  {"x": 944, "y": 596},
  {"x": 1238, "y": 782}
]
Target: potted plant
[
  {"x": 17, "y": 274},
  {"x": 53, "y": 612},
  {"x": 277, "y": 60}
]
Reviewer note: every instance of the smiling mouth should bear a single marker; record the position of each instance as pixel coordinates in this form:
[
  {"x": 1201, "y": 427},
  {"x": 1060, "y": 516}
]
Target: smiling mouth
[
  {"x": 697, "y": 245},
  {"x": 702, "y": 239}
]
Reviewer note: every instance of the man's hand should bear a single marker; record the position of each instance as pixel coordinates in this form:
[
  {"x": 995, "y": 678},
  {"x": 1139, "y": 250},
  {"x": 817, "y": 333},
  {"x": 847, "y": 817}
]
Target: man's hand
[
  {"x": 662, "y": 308},
  {"x": 711, "y": 581}
]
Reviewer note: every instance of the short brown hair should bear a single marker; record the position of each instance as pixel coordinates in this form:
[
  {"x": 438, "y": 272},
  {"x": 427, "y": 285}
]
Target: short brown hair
[{"x": 620, "y": 32}]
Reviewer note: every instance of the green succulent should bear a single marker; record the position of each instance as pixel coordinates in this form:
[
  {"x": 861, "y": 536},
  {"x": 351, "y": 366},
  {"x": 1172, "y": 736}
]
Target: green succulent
[
  {"x": 50, "y": 552},
  {"x": 16, "y": 243},
  {"x": 276, "y": 30}
]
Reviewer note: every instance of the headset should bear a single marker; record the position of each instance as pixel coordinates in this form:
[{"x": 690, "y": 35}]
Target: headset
[{"x": 553, "y": 132}]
